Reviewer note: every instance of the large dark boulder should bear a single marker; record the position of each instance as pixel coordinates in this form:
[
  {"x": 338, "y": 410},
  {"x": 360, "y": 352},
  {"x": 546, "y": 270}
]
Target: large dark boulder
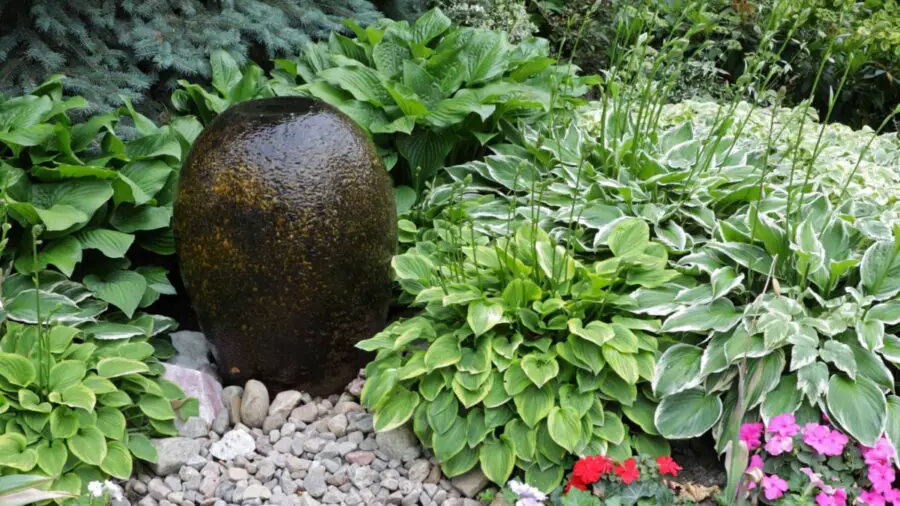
[{"x": 285, "y": 227}]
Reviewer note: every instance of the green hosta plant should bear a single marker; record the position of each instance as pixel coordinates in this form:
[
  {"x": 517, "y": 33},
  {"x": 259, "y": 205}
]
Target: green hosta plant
[
  {"x": 79, "y": 399},
  {"x": 522, "y": 356},
  {"x": 94, "y": 194},
  {"x": 428, "y": 92}
]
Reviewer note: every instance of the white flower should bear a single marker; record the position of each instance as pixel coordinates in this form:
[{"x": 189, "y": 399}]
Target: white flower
[
  {"x": 115, "y": 491},
  {"x": 528, "y": 495},
  {"x": 95, "y": 488}
]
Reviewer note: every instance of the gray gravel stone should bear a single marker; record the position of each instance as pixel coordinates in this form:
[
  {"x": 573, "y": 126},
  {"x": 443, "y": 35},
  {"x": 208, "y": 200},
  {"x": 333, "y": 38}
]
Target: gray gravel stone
[
  {"x": 306, "y": 413},
  {"x": 285, "y": 402},
  {"x": 234, "y": 408},
  {"x": 254, "y": 404},
  {"x": 338, "y": 425},
  {"x": 234, "y": 443},
  {"x": 419, "y": 470},
  {"x": 273, "y": 422},
  {"x": 470, "y": 483},
  {"x": 315, "y": 480},
  {"x": 256, "y": 492},
  {"x": 158, "y": 489},
  {"x": 195, "y": 427},
  {"x": 314, "y": 445},
  {"x": 173, "y": 453}
]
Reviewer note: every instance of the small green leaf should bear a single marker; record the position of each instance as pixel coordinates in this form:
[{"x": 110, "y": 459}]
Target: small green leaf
[
  {"x": 497, "y": 459},
  {"x": 564, "y": 425},
  {"x": 117, "y": 461},
  {"x": 396, "y": 410},
  {"x": 157, "y": 408},
  {"x": 89, "y": 445},
  {"x": 16, "y": 369},
  {"x": 539, "y": 369},
  {"x": 114, "y": 367},
  {"x": 483, "y": 316},
  {"x": 141, "y": 447}
]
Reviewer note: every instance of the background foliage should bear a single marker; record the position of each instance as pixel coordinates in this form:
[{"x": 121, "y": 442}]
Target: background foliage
[{"x": 135, "y": 48}]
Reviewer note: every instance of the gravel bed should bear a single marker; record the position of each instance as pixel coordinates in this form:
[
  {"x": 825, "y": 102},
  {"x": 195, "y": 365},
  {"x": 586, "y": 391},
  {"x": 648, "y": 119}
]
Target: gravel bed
[{"x": 295, "y": 450}]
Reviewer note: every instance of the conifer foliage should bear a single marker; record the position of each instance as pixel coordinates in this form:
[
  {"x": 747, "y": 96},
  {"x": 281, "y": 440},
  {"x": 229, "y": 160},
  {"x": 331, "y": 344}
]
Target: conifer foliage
[{"x": 114, "y": 48}]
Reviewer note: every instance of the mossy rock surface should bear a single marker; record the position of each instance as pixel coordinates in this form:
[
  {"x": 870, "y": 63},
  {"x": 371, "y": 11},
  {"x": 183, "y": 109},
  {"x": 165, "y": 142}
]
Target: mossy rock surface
[{"x": 285, "y": 226}]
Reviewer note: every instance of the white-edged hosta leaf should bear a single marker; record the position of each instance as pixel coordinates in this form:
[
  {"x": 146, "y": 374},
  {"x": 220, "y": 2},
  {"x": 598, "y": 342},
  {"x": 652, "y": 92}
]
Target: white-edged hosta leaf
[
  {"x": 719, "y": 315},
  {"x": 859, "y": 407},
  {"x": 840, "y": 355},
  {"x": 687, "y": 414},
  {"x": 678, "y": 369}
]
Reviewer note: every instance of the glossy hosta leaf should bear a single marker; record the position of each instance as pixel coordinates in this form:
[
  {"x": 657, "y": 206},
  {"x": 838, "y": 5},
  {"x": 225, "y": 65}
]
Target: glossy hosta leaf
[
  {"x": 396, "y": 410},
  {"x": 624, "y": 364},
  {"x": 539, "y": 369},
  {"x": 859, "y": 407},
  {"x": 719, "y": 315},
  {"x": 157, "y": 408},
  {"x": 16, "y": 369},
  {"x": 892, "y": 423},
  {"x": 534, "y": 404},
  {"x": 123, "y": 289},
  {"x": 483, "y": 316},
  {"x": 687, "y": 414},
  {"x": 564, "y": 425},
  {"x": 785, "y": 398},
  {"x": 443, "y": 352},
  {"x": 89, "y": 445},
  {"x": 111, "y": 422},
  {"x": 117, "y": 461},
  {"x": 141, "y": 447},
  {"x": 114, "y": 367},
  {"x": 629, "y": 237},
  {"x": 450, "y": 443},
  {"x": 678, "y": 369},
  {"x": 66, "y": 373},
  {"x": 63, "y": 422},
  {"x": 52, "y": 457},
  {"x": 498, "y": 459}
]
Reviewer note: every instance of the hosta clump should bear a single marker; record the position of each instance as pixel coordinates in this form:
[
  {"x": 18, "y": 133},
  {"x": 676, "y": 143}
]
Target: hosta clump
[
  {"x": 79, "y": 399},
  {"x": 93, "y": 195},
  {"x": 523, "y": 356},
  {"x": 430, "y": 93}
]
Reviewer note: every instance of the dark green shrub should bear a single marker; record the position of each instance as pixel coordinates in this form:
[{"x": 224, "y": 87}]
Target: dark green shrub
[{"x": 119, "y": 48}]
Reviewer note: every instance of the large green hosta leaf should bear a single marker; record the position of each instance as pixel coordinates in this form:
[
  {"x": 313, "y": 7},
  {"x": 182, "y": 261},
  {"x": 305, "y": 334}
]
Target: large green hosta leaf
[
  {"x": 687, "y": 414},
  {"x": 858, "y": 406}
]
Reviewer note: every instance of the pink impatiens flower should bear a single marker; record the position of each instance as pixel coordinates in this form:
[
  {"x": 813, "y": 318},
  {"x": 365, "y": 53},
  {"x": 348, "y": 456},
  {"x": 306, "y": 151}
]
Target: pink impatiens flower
[
  {"x": 871, "y": 498},
  {"x": 824, "y": 440},
  {"x": 892, "y": 496},
  {"x": 783, "y": 425},
  {"x": 882, "y": 477},
  {"x": 774, "y": 487},
  {"x": 751, "y": 434},
  {"x": 779, "y": 444},
  {"x": 880, "y": 454},
  {"x": 838, "y": 498}
]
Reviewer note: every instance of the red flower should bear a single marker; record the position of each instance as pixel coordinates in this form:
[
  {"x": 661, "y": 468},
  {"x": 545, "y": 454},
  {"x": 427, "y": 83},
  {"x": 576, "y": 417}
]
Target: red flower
[
  {"x": 667, "y": 466},
  {"x": 589, "y": 469},
  {"x": 574, "y": 482},
  {"x": 628, "y": 472}
]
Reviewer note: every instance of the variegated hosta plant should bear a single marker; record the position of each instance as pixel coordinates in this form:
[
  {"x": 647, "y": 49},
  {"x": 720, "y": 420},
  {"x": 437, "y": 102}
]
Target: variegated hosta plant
[
  {"x": 80, "y": 398},
  {"x": 523, "y": 356},
  {"x": 821, "y": 339}
]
